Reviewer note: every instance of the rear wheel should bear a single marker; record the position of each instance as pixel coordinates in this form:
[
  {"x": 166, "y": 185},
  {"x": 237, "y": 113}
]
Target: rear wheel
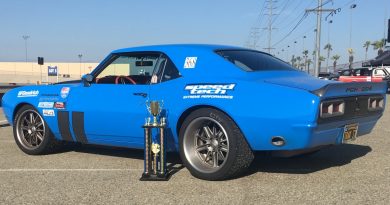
[
  {"x": 31, "y": 133},
  {"x": 212, "y": 147}
]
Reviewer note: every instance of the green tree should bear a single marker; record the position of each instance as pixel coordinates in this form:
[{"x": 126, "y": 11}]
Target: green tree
[
  {"x": 328, "y": 48},
  {"x": 293, "y": 60},
  {"x": 322, "y": 58},
  {"x": 335, "y": 58},
  {"x": 309, "y": 61},
  {"x": 366, "y": 46},
  {"x": 378, "y": 45},
  {"x": 305, "y": 53},
  {"x": 350, "y": 59},
  {"x": 299, "y": 61}
]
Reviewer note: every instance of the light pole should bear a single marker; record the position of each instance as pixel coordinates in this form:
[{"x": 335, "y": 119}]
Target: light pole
[
  {"x": 329, "y": 30},
  {"x": 80, "y": 57},
  {"x": 295, "y": 43},
  {"x": 303, "y": 43},
  {"x": 25, "y": 37},
  {"x": 350, "y": 25},
  {"x": 287, "y": 53},
  {"x": 327, "y": 60}
]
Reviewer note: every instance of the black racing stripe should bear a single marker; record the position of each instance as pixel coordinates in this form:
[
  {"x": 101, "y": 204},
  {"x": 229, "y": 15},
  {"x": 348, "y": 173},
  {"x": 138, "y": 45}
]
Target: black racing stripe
[
  {"x": 63, "y": 124},
  {"x": 78, "y": 127}
]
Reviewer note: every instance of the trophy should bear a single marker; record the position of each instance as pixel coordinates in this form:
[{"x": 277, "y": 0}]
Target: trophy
[{"x": 155, "y": 168}]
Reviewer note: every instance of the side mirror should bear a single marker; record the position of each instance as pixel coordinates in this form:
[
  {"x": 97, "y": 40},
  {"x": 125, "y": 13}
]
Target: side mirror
[{"x": 87, "y": 79}]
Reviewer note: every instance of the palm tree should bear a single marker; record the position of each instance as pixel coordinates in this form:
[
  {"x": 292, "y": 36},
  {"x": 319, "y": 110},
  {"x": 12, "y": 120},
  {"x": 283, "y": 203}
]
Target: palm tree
[
  {"x": 293, "y": 60},
  {"x": 350, "y": 51},
  {"x": 308, "y": 65},
  {"x": 314, "y": 55},
  {"x": 335, "y": 58},
  {"x": 322, "y": 58},
  {"x": 328, "y": 48},
  {"x": 378, "y": 45},
  {"x": 366, "y": 46},
  {"x": 299, "y": 61},
  {"x": 305, "y": 53}
]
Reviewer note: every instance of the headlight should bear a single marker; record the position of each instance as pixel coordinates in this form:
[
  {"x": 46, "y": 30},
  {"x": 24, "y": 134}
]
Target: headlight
[
  {"x": 332, "y": 108},
  {"x": 375, "y": 103}
]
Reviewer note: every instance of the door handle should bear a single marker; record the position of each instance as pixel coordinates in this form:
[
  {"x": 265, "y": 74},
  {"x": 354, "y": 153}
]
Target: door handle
[{"x": 141, "y": 94}]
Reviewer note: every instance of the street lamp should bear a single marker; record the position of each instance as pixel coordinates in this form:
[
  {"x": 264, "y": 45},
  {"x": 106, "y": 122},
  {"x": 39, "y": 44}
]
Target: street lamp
[
  {"x": 329, "y": 30},
  {"x": 350, "y": 25},
  {"x": 303, "y": 42},
  {"x": 25, "y": 37},
  {"x": 80, "y": 57}
]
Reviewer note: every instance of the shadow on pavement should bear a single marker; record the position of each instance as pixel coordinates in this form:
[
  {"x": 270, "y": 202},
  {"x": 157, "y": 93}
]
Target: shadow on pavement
[
  {"x": 326, "y": 158},
  {"x": 4, "y": 125},
  {"x": 333, "y": 156},
  {"x": 174, "y": 163}
]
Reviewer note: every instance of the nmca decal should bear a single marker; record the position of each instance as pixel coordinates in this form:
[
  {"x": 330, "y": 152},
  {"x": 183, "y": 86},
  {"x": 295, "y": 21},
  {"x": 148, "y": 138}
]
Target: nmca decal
[{"x": 209, "y": 89}]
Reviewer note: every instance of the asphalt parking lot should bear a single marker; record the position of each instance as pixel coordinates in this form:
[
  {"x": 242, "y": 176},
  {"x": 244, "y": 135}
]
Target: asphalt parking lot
[{"x": 356, "y": 173}]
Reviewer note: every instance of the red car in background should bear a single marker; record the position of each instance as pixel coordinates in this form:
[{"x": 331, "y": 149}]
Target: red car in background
[{"x": 365, "y": 75}]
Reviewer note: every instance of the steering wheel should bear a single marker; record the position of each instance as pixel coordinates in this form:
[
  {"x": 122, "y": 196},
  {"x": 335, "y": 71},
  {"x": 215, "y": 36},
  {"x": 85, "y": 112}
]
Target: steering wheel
[{"x": 122, "y": 80}]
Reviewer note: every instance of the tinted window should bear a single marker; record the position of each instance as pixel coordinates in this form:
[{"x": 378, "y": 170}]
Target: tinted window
[
  {"x": 249, "y": 60},
  {"x": 167, "y": 70}
]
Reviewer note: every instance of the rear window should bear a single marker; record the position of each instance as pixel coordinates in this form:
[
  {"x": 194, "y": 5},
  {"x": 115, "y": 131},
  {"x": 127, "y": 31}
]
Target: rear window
[{"x": 250, "y": 61}]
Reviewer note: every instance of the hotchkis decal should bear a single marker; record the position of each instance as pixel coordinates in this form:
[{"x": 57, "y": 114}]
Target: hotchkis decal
[
  {"x": 48, "y": 112},
  {"x": 59, "y": 105},
  {"x": 190, "y": 62},
  {"x": 45, "y": 104},
  {"x": 209, "y": 91},
  {"x": 31, "y": 93},
  {"x": 65, "y": 92}
]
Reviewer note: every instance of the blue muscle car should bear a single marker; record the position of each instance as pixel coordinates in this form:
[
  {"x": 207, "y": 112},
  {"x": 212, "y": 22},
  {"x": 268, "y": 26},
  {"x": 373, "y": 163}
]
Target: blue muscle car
[{"x": 221, "y": 103}]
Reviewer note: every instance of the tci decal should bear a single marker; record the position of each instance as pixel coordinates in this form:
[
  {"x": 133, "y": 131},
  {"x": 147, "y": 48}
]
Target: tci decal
[
  {"x": 358, "y": 89},
  {"x": 209, "y": 91}
]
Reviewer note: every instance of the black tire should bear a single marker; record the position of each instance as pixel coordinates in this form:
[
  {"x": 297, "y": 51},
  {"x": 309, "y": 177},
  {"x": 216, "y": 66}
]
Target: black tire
[
  {"x": 47, "y": 145},
  {"x": 196, "y": 146}
]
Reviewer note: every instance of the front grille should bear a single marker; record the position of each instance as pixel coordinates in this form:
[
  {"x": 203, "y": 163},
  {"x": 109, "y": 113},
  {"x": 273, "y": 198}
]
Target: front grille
[{"x": 355, "y": 107}]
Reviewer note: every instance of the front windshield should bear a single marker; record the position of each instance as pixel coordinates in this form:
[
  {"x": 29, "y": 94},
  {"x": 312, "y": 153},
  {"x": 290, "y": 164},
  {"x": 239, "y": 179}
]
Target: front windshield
[{"x": 250, "y": 61}]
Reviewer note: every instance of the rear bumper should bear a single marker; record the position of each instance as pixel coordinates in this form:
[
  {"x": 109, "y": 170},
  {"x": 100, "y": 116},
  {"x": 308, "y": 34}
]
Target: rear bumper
[
  {"x": 332, "y": 133},
  {"x": 307, "y": 136}
]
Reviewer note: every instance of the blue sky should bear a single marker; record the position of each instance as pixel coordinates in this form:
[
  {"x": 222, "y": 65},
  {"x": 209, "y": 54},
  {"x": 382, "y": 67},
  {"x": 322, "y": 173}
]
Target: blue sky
[{"x": 60, "y": 30}]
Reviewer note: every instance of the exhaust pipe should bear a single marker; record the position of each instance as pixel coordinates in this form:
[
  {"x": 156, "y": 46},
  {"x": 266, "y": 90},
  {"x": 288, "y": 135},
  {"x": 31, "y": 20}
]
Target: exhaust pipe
[{"x": 278, "y": 141}]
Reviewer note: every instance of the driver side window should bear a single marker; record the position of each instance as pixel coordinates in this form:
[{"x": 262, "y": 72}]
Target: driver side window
[{"x": 129, "y": 69}]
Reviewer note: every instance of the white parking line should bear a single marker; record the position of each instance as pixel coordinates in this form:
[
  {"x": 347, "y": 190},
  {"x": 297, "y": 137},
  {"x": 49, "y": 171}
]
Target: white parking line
[
  {"x": 3, "y": 121},
  {"x": 68, "y": 170}
]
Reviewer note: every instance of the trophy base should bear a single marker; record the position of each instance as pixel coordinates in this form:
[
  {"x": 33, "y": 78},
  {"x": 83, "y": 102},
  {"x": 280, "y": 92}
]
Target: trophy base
[{"x": 155, "y": 177}]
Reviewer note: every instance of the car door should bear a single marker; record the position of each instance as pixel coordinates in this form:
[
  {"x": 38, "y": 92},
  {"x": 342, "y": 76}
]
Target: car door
[{"x": 112, "y": 109}]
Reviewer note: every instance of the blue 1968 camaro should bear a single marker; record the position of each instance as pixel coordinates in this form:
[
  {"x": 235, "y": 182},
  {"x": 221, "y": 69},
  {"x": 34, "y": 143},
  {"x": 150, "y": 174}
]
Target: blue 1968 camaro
[{"x": 221, "y": 103}]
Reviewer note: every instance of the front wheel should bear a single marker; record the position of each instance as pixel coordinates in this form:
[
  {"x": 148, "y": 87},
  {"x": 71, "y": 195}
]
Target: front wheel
[
  {"x": 31, "y": 133},
  {"x": 212, "y": 147}
]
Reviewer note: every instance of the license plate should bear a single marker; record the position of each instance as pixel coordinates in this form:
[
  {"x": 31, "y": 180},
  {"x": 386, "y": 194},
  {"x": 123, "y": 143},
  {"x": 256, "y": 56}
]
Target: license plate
[{"x": 350, "y": 132}]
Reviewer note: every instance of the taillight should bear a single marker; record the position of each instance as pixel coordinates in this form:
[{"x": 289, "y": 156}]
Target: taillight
[
  {"x": 375, "y": 103},
  {"x": 332, "y": 108}
]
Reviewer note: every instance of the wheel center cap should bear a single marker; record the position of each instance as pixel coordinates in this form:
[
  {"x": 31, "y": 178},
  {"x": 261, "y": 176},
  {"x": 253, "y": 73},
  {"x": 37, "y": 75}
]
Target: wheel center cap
[
  {"x": 33, "y": 129},
  {"x": 29, "y": 131},
  {"x": 214, "y": 143}
]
